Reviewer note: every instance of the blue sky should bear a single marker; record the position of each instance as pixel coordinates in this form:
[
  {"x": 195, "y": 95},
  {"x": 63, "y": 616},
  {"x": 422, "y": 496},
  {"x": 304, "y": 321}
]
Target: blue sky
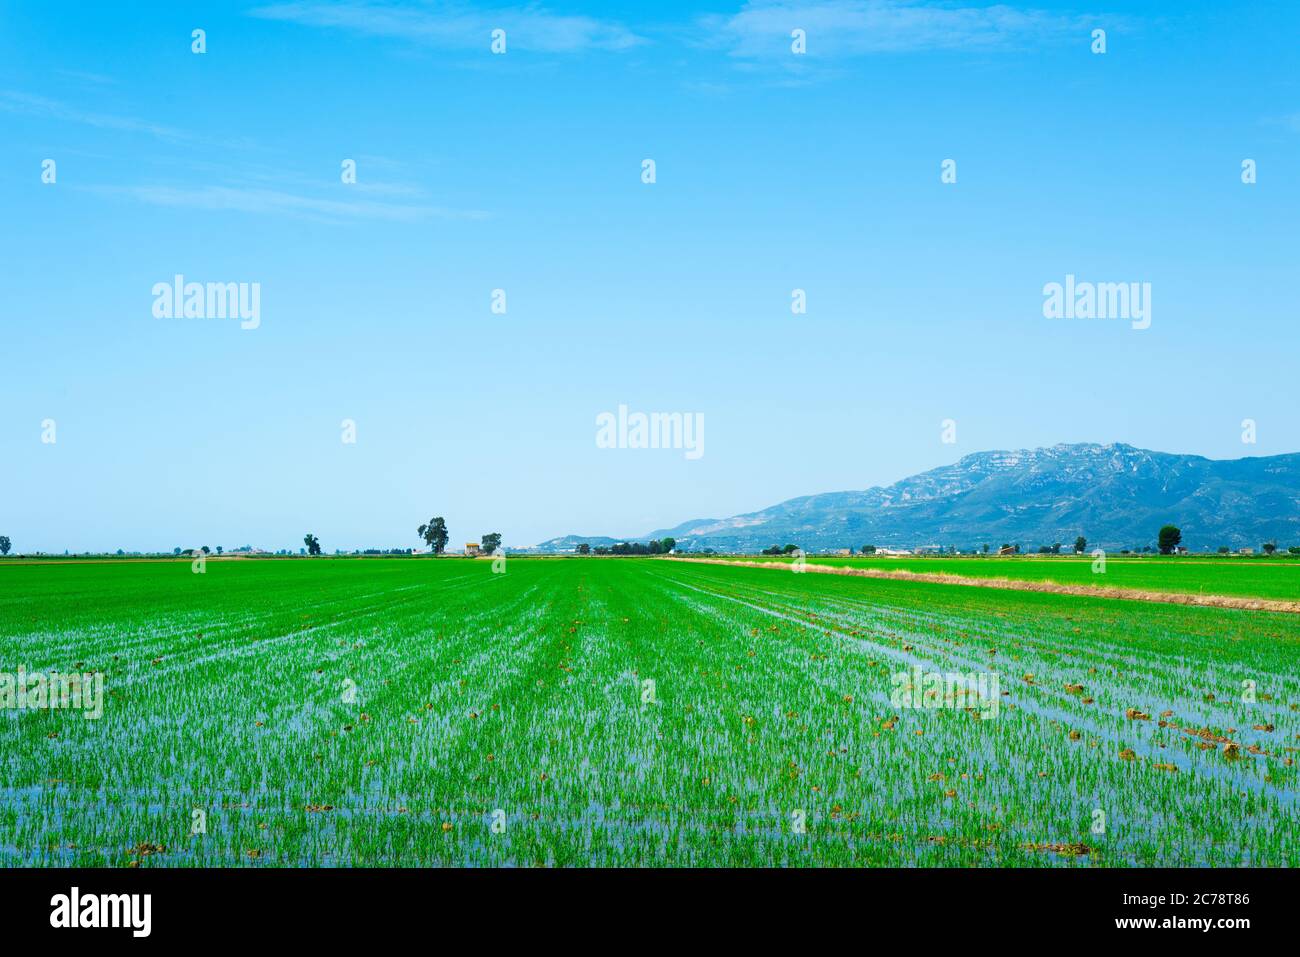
[{"x": 522, "y": 172}]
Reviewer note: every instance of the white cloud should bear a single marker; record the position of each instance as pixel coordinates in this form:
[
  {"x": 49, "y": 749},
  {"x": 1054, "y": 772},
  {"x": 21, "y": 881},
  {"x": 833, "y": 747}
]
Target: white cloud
[
  {"x": 1291, "y": 122},
  {"x": 456, "y": 25},
  {"x": 859, "y": 27},
  {"x": 12, "y": 101},
  {"x": 271, "y": 201}
]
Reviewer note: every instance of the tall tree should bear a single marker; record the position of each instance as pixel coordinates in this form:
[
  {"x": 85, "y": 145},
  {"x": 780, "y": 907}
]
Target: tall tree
[
  {"x": 1170, "y": 536},
  {"x": 310, "y": 540},
  {"x": 491, "y": 542},
  {"x": 1080, "y": 545},
  {"x": 5, "y": 544},
  {"x": 434, "y": 534}
]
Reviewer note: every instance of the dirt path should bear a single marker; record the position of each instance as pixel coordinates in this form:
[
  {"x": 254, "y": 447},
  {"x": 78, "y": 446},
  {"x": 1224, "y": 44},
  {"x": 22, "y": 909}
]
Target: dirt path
[{"x": 1008, "y": 584}]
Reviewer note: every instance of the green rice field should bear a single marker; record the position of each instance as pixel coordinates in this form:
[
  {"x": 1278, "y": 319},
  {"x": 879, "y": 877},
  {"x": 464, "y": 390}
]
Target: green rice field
[
  {"x": 640, "y": 712},
  {"x": 1237, "y": 577}
]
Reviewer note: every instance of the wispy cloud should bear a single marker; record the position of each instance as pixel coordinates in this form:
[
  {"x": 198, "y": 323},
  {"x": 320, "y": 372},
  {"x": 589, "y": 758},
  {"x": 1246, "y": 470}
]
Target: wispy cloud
[
  {"x": 275, "y": 201},
  {"x": 83, "y": 76},
  {"x": 860, "y": 27},
  {"x": 458, "y": 26},
  {"x": 12, "y": 101},
  {"x": 1289, "y": 122}
]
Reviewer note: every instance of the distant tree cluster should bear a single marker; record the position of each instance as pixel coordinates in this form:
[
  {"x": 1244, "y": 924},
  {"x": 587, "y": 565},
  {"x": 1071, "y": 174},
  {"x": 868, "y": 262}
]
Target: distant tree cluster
[
  {"x": 780, "y": 550},
  {"x": 654, "y": 547},
  {"x": 1268, "y": 548},
  {"x": 310, "y": 540}
]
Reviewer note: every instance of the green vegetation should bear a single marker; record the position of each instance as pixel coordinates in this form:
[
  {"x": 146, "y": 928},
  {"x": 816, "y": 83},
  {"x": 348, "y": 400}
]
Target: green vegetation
[
  {"x": 653, "y": 547},
  {"x": 632, "y": 712},
  {"x": 434, "y": 534},
  {"x": 1169, "y": 538},
  {"x": 1278, "y": 579}
]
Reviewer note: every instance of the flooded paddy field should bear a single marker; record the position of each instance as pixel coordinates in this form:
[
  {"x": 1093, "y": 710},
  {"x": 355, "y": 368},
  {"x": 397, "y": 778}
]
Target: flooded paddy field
[{"x": 589, "y": 711}]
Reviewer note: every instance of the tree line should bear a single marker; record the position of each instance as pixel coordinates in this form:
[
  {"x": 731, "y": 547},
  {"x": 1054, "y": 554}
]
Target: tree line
[{"x": 660, "y": 546}]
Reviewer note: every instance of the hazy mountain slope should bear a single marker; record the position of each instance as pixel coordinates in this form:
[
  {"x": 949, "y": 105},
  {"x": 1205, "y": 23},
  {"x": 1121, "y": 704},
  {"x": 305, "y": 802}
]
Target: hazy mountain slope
[{"x": 1116, "y": 495}]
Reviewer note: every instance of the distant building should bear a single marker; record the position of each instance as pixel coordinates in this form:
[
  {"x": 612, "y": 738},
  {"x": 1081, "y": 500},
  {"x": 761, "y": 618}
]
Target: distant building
[
  {"x": 1246, "y": 551},
  {"x": 471, "y": 548},
  {"x": 1009, "y": 550}
]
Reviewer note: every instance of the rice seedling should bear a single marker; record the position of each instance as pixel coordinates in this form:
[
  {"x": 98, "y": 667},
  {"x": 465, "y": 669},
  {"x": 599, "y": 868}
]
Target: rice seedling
[{"x": 596, "y": 712}]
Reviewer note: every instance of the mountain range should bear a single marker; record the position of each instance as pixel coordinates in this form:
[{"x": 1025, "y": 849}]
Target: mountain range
[{"x": 1116, "y": 496}]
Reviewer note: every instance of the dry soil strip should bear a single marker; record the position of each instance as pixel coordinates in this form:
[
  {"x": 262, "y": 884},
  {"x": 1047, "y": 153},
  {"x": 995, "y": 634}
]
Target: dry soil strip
[{"x": 1008, "y": 584}]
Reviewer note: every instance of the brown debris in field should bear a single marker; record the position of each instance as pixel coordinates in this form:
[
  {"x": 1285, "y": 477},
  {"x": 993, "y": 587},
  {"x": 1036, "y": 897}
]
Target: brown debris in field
[
  {"x": 1007, "y": 584},
  {"x": 1077, "y": 849}
]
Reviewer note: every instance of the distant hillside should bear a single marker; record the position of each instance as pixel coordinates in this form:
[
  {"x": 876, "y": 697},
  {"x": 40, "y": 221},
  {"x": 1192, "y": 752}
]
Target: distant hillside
[
  {"x": 1116, "y": 495},
  {"x": 569, "y": 542}
]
